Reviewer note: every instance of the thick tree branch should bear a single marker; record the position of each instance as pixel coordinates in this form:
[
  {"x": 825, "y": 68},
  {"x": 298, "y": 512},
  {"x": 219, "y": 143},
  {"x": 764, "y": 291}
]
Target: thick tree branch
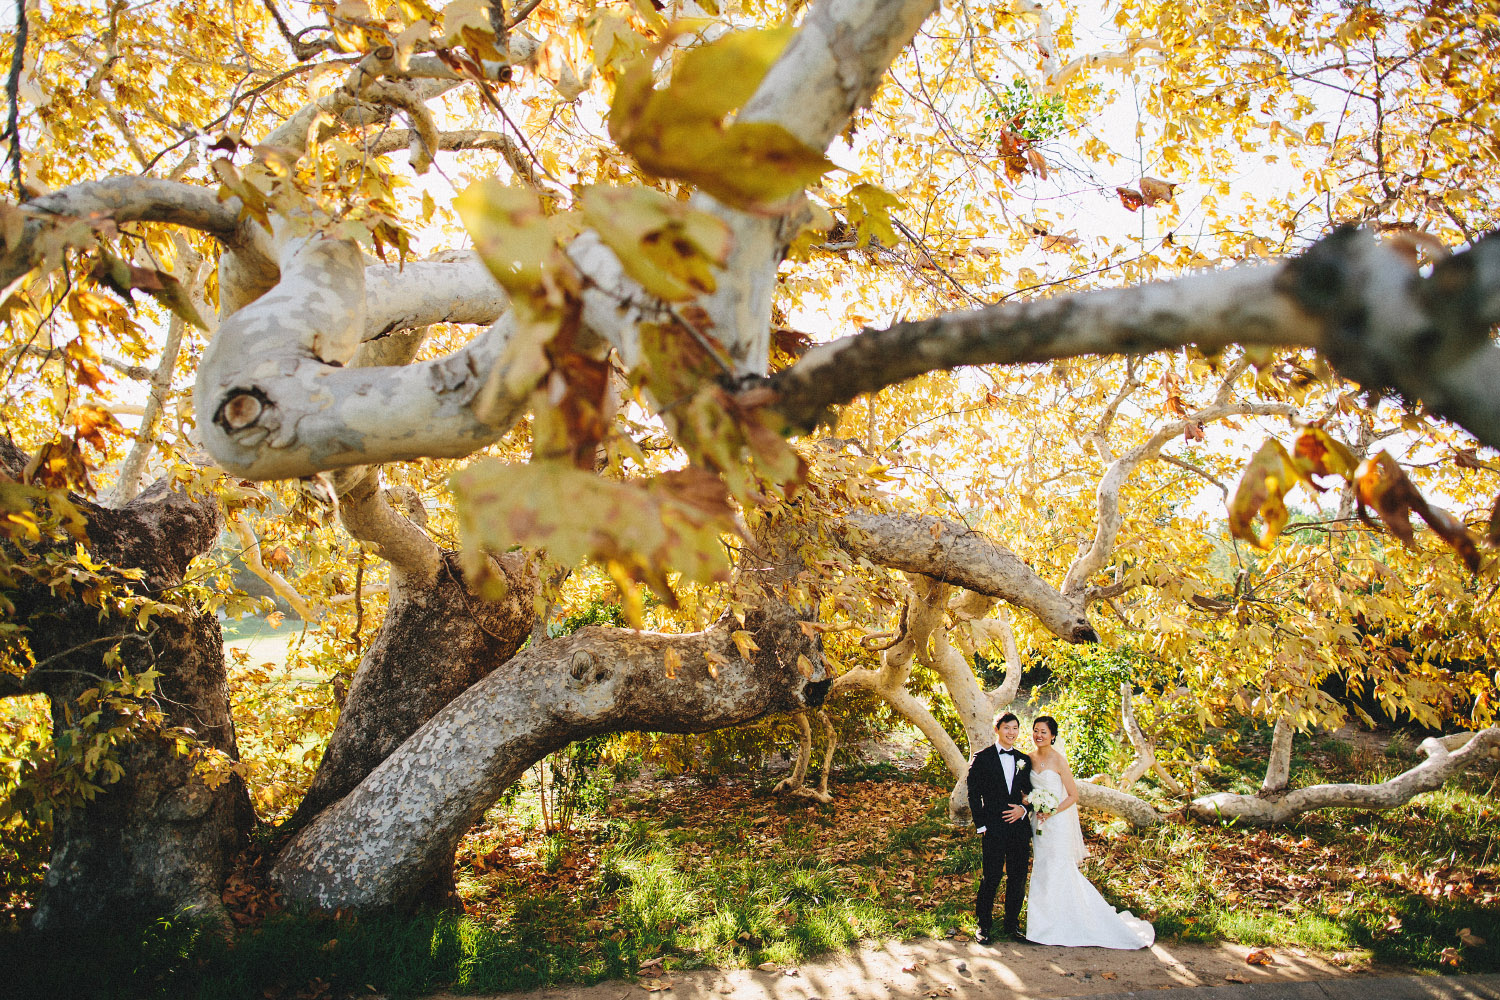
[
  {"x": 830, "y": 68},
  {"x": 397, "y": 830},
  {"x": 1381, "y": 324},
  {"x": 121, "y": 200},
  {"x": 274, "y": 399},
  {"x": 1279, "y": 763},
  {"x": 939, "y": 549},
  {"x": 419, "y": 293},
  {"x": 367, "y": 514},
  {"x": 1445, "y": 756}
]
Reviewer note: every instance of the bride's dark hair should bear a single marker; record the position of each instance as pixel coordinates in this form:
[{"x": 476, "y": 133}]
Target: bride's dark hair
[{"x": 1049, "y": 722}]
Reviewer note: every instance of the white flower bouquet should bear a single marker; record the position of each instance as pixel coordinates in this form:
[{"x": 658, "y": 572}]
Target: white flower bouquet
[{"x": 1044, "y": 800}]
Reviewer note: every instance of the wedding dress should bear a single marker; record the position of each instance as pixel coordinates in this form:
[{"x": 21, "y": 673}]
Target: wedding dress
[{"x": 1063, "y": 907}]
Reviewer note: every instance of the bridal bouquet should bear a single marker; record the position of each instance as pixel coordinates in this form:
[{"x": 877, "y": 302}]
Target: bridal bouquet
[{"x": 1044, "y": 800}]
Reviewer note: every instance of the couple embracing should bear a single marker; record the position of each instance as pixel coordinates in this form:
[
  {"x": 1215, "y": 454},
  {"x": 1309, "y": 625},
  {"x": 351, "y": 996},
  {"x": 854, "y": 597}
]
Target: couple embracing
[{"x": 1024, "y": 805}]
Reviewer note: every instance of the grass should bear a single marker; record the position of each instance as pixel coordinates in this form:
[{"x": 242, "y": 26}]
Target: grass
[{"x": 732, "y": 876}]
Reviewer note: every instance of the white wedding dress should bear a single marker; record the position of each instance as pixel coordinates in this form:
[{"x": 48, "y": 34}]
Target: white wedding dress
[{"x": 1063, "y": 907}]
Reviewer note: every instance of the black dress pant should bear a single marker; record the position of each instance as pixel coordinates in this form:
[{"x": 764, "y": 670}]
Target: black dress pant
[{"x": 1007, "y": 854}]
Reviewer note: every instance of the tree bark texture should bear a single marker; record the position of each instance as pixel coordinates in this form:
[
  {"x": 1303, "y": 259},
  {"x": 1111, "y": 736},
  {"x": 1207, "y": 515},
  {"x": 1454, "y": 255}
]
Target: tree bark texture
[
  {"x": 382, "y": 844},
  {"x": 158, "y": 840},
  {"x": 436, "y": 642},
  {"x": 1445, "y": 756}
]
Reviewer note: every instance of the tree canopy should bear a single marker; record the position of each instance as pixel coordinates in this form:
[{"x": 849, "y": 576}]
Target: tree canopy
[{"x": 848, "y": 346}]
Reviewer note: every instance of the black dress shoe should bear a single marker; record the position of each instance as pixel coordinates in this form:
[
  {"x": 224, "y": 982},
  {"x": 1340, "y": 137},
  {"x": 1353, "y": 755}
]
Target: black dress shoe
[
  {"x": 983, "y": 937},
  {"x": 1018, "y": 937}
]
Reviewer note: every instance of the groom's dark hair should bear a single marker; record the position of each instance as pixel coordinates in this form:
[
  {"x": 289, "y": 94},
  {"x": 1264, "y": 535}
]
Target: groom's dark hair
[{"x": 1001, "y": 720}]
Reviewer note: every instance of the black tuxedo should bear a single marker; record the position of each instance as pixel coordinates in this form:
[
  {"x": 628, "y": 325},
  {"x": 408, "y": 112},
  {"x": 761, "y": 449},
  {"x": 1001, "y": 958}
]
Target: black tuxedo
[{"x": 1007, "y": 846}]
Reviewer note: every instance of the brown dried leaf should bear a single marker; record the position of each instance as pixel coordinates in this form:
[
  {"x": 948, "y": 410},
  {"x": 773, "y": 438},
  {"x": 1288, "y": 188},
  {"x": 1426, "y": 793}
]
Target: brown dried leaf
[
  {"x": 1262, "y": 491},
  {"x": 1154, "y": 190}
]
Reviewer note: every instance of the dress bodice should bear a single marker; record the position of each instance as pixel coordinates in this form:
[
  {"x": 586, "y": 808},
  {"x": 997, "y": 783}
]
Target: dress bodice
[{"x": 1050, "y": 780}]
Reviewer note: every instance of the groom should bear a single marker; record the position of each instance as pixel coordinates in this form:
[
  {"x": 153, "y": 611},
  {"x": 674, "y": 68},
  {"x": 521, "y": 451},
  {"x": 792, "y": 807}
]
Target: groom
[{"x": 998, "y": 777}]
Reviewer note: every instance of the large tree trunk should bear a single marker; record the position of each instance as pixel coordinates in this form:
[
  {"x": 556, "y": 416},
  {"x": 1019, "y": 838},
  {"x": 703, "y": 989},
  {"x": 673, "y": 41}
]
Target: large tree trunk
[
  {"x": 436, "y": 642},
  {"x": 158, "y": 840},
  {"x": 383, "y": 844}
]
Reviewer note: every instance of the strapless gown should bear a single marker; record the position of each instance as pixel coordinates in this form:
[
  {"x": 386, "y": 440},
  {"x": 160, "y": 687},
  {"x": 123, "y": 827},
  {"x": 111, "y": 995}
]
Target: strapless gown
[{"x": 1063, "y": 907}]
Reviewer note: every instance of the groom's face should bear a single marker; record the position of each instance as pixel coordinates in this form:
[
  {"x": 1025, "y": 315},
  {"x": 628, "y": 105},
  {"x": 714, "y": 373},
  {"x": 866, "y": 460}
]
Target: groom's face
[{"x": 1008, "y": 731}]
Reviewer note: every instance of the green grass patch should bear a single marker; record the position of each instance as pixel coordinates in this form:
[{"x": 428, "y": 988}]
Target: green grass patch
[{"x": 732, "y": 876}]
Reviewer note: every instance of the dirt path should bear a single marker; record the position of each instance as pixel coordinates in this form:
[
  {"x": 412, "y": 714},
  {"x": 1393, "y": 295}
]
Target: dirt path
[{"x": 938, "y": 969}]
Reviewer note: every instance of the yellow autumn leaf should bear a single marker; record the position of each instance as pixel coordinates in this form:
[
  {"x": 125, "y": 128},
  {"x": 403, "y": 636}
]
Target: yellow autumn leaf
[
  {"x": 671, "y": 249},
  {"x": 1261, "y": 492},
  {"x": 642, "y": 527},
  {"x": 744, "y": 642},
  {"x": 678, "y": 132}
]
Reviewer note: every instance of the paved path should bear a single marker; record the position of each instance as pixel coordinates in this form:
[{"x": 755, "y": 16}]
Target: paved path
[
  {"x": 927, "y": 969},
  {"x": 1362, "y": 988}
]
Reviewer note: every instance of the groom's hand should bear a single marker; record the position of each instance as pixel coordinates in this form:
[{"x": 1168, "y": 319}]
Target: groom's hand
[{"x": 1014, "y": 814}]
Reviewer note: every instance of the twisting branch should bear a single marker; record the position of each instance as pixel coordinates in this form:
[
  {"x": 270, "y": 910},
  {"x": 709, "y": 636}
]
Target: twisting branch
[
  {"x": 280, "y": 586},
  {"x": 13, "y": 99},
  {"x": 1107, "y": 530},
  {"x": 128, "y": 199},
  {"x": 1379, "y": 322},
  {"x": 795, "y": 783},
  {"x": 945, "y": 551},
  {"x": 302, "y": 49},
  {"x": 1446, "y": 755}
]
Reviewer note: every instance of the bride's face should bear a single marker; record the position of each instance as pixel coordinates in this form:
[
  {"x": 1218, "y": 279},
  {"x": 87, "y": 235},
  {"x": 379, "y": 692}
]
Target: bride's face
[{"x": 1041, "y": 735}]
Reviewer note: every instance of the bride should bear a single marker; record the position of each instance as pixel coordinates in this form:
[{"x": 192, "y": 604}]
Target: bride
[{"x": 1063, "y": 907}]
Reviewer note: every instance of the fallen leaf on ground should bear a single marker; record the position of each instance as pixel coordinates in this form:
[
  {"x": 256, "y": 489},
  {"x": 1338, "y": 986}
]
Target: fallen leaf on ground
[
  {"x": 1260, "y": 956},
  {"x": 1234, "y": 978},
  {"x": 1110, "y": 975},
  {"x": 1469, "y": 937},
  {"x": 767, "y": 967}
]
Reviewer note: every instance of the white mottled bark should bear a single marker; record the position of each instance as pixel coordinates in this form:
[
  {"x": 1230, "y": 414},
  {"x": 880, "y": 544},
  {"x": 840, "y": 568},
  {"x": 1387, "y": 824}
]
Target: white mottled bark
[
  {"x": 124, "y": 199},
  {"x": 1137, "y": 812},
  {"x": 423, "y": 292},
  {"x": 1279, "y": 764},
  {"x": 1379, "y": 322},
  {"x": 830, "y": 68},
  {"x": 274, "y": 399},
  {"x": 942, "y": 550},
  {"x": 1445, "y": 756},
  {"x": 388, "y": 838}
]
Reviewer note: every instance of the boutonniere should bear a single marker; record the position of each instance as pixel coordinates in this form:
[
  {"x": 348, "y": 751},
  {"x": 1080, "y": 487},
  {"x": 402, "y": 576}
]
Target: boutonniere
[{"x": 1025, "y": 764}]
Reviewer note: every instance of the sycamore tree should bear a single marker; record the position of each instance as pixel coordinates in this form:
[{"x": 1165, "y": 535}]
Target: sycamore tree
[{"x": 691, "y": 293}]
